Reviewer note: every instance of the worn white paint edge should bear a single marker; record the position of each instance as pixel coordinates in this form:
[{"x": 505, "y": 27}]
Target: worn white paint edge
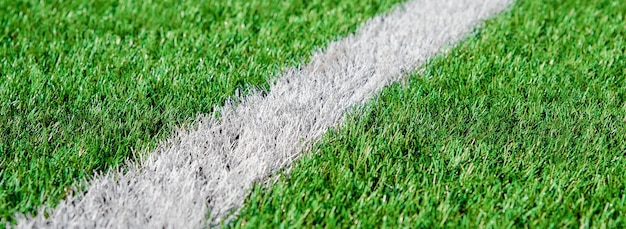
[{"x": 208, "y": 169}]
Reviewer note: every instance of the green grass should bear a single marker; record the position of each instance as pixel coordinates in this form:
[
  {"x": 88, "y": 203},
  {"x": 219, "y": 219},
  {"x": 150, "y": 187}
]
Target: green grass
[
  {"x": 84, "y": 84},
  {"x": 523, "y": 125}
]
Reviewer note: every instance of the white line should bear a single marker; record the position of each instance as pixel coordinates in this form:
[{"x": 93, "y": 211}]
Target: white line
[{"x": 208, "y": 169}]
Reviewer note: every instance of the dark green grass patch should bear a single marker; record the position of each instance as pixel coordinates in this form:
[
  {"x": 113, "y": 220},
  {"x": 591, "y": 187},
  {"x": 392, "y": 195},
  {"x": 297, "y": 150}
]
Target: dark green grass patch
[
  {"x": 524, "y": 124},
  {"x": 83, "y": 84}
]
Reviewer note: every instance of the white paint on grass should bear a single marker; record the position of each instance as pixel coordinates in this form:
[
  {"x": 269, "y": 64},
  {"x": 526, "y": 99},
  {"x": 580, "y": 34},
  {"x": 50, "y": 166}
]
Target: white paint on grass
[{"x": 207, "y": 170}]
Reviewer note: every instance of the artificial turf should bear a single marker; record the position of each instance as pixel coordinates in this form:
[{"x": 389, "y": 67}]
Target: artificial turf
[
  {"x": 521, "y": 125},
  {"x": 86, "y": 84}
]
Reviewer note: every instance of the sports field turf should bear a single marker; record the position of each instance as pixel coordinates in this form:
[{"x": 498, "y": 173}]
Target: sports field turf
[
  {"x": 84, "y": 84},
  {"x": 523, "y": 124}
]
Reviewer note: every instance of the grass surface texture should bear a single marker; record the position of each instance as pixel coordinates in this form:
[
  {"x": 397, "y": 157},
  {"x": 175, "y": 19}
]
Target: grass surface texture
[
  {"x": 85, "y": 84},
  {"x": 523, "y": 124}
]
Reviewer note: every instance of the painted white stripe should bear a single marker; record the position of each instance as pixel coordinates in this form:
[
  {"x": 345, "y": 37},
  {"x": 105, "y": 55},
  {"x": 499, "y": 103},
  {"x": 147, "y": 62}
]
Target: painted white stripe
[{"x": 208, "y": 169}]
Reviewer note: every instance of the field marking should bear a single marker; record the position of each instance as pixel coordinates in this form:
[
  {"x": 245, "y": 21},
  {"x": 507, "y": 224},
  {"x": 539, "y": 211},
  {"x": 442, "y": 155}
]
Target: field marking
[{"x": 207, "y": 170}]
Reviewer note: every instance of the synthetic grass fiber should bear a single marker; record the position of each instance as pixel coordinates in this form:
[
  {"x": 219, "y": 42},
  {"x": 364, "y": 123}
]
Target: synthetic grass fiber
[
  {"x": 84, "y": 84},
  {"x": 522, "y": 125},
  {"x": 205, "y": 170}
]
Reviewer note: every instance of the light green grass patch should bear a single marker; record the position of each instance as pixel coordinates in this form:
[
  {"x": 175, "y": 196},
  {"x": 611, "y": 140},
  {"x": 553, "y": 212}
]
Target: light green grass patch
[
  {"x": 523, "y": 124},
  {"x": 84, "y": 84}
]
